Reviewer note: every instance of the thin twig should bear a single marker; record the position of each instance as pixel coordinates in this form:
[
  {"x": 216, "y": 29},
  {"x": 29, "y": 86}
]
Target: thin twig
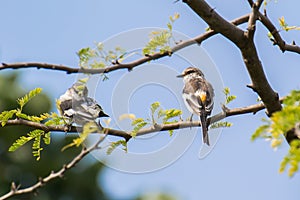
[
  {"x": 277, "y": 37},
  {"x": 53, "y": 175}
]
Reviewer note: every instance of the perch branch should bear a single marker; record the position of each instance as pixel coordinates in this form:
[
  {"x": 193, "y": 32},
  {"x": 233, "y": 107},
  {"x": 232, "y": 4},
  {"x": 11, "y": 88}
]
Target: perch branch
[{"x": 158, "y": 127}]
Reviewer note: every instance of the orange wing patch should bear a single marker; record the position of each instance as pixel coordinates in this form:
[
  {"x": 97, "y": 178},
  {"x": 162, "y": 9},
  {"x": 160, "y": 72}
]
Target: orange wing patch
[{"x": 203, "y": 96}]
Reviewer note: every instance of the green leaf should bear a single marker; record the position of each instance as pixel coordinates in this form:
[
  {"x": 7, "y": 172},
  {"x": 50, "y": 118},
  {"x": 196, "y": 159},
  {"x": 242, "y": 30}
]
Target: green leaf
[
  {"x": 292, "y": 159},
  {"x": 220, "y": 124},
  {"x": 33, "y": 118},
  {"x": 47, "y": 138},
  {"x": 282, "y": 22},
  {"x": 170, "y": 113},
  {"x": 98, "y": 57},
  {"x": 169, "y": 25},
  {"x": 114, "y": 145},
  {"x": 22, "y": 101},
  {"x": 280, "y": 123},
  {"x": 138, "y": 126},
  {"x": 208, "y": 29},
  {"x": 171, "y": 132},
  {"x": 229, "y": 97},
  {"x": 36, "y": 136},
  {"x": 161, "y": 113},
  {"x": 36, "y": 147},
  {"x": 293, "y": 99},
  {"x": 260, "y": 131},
  {"x": 160, "y": 40},
  {"x": 24, "y": 139},
  {"x": 97, "y": 65},
  {"x": 6, "y": 115},
  {"x": 85, "y": 54},
  {"x": 88, "y": 128},
  {"x": 270, "y": 36},
  {"x": 22, "y": 115},
  {"x": 174, "y": 18},
  {"x": 285, "y": 26},
  {"x": 55, "y": 120},
  {"x": 137, "y": 121},
  {"x": 154, "y": 107}
]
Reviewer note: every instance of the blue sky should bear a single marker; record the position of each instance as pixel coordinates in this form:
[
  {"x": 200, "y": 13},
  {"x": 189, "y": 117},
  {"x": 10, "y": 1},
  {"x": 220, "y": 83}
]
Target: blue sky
[{"x": 53, "y": 31}]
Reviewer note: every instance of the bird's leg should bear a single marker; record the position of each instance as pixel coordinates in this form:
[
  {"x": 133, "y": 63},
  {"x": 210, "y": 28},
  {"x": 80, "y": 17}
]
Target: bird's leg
[
  {"x": 68, "y": 124},
  {"x": 191, "y": 120}
]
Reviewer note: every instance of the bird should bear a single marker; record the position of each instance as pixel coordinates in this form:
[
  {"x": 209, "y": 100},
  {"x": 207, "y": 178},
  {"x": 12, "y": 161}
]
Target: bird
[
  {"x": 76, "y": 106},
  {"x": 73, "y": 96},
  {"x": 198, "y": 96}
]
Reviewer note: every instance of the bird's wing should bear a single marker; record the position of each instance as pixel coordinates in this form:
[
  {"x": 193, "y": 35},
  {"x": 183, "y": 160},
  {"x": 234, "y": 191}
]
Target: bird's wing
[
  {"x": 199, "y": 94},
  {"x": 209, "y": 104},
  {"x": 192, "y": 102},
  {"x": 65, "y": 105}
]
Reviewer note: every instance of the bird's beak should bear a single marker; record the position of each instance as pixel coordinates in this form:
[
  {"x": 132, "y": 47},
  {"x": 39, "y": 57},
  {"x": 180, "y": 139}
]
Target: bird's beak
[
  {"x": 180, "y": 76},
  {"x": 105, "y": 115},
  {"x": 102, "y": 114}
]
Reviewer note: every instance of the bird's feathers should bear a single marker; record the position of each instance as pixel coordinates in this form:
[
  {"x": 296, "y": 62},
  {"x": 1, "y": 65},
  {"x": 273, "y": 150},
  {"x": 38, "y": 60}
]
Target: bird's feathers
[
  {"x": 198, "y": 96},
  {"x": 75, "y": 105}
]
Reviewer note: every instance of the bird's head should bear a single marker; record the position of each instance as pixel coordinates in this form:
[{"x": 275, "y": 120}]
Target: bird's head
[{"x": 191, "y": 72}]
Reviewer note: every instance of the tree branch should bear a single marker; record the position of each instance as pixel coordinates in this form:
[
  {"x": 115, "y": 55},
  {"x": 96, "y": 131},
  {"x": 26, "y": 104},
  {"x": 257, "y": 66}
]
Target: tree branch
[
  {"x": 73, "y": 129},
  {"x": 156, "y": 128},
  {"x": 15, "y": 190},
  {"x": 253, "y": 17},
  {"x": 215, "y": 21},
  {"x": 129, "y": 66},
  {"x": 277, "y": 37},
  {"x": 259, "y": 84}
]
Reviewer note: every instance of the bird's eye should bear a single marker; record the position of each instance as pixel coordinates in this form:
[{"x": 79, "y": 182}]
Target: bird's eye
[{"x": 189, "y": 72}]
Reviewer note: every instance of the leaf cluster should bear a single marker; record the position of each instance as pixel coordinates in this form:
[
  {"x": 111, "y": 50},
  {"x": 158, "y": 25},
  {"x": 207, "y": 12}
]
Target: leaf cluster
[
  {"x": 228, "y": 97},
  {"x": 157, "y": 113},
  {"x": 220, "y": 124},
  {"x": 114, "y": 145},
  {"x": 285, "y": 26},
  {"x": 160, "y": 40},
  {"x": 36, "y": 135},
  {"x": 278, "y": 124},
  {"x": 88, "y": 128}
]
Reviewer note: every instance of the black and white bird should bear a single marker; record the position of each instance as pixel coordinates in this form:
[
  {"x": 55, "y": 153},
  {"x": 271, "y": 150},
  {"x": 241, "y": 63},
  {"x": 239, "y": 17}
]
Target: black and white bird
[
  {"x": 77, "y": 107},
  {"x": 198, "y": 96}
]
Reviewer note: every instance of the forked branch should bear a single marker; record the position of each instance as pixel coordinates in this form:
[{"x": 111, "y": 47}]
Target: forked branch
[{"x": 15, "y": 190}]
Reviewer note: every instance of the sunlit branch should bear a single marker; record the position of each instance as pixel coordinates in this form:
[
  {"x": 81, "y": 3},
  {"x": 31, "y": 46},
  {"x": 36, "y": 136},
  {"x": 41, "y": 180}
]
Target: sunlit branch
[
  {"x": 15, "y": 190},
  {"x": 156, "y": 128},
  {"x": 129, "y": 66}
]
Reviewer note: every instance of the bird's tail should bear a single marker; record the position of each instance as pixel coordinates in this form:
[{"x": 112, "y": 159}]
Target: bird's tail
[{"x": 204, "y": 127}]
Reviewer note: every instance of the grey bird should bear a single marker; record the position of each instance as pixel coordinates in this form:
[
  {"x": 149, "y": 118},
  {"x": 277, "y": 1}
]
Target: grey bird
[{"x": 76, "y": 106}]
